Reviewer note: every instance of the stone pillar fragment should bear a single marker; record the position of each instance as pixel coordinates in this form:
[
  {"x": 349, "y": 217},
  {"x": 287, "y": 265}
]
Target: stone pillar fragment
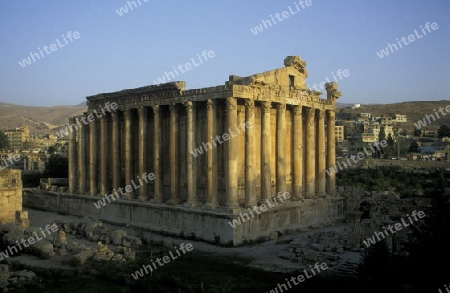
[
  {"x": 331, "y": 151},
  {"x": 73, "y": 156},
  {"x": 298, "y": 153},
  {"x": 157, "y": 161},
  {"x": 173, "y": 154},
  {"x": 250, "y": 196},
  {"x": 82, "y": 159},
  {"x": 116, "y": 165},
  {"x": 128, "y": 157},
  {"x": 231, "y": 156},
  {"x": 310, "y": 179},
  {"x": 93, "y": 159},
  {"x": 266, "y": 152},
  {"x": 211, "y": 200},
  {"x": 143, "y": 138},
  {"x": 321, "y": 156},
  {"x": 281, "y": 148},
  {"x": 103, "y": 155},
  {"x": 191, "y": 161}
]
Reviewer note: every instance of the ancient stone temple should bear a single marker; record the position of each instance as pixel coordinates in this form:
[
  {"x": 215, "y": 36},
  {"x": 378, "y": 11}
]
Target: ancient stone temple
[{"x": 215, "y": 153}]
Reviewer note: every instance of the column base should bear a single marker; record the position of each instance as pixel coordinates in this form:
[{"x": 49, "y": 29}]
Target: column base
[
  {"x": 250, "y": 204},
  {"x": 191, "y": 204},
  {"x": 174, "y": 201},
  {"x": 143, "y": 198},
  {"x": 156, "y": 200},
  {"x": 211, "y": 206}
]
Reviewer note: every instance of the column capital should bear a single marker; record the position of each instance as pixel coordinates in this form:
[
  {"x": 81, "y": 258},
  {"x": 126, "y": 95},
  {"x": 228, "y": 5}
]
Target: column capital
[
  {"x": 331, "y": 114},
  {"x": 266, "y": 106},
  {"x": 250, "y": 104},
  {"x": 320, "y": 113},
  {"x": 210, "y": 104},
  {"x": 141, "y": 110},
  {"x": 174, "y": 108},
  {"x": 309, "y": 113},
  {"x": 156, "y": 109},
  {"x": 281, "y": 108},
  {"x": 127, "y": 113},
  {"x": 231, "y": 103},
  {"x": 298, "y": 110},
  {"x": 189, "y": 106},
  {"x": 115, "y": 115}
]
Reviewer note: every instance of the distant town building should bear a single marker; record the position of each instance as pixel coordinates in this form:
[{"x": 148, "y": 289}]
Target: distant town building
[
  {"x": 365, "y": 115},
  {"x": 18, "y": 137},
  {"x": 339, "y": 133},
  {"x": 400, "y": 118},
  {"x": 355, "y": 106}
]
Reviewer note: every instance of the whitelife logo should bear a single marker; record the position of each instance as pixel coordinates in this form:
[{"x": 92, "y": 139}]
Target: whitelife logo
[
  {"x": 411, "y": 38},
  {"x": 36, "y": 56}
]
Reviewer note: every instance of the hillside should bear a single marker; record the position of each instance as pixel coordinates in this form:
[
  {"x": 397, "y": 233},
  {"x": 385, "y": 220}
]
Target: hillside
[
  {"x": 414, "y": 110},
  {"x": 38, "y": 119}
]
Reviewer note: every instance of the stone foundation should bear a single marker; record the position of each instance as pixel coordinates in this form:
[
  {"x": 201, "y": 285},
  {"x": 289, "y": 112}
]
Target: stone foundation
[{"x": 200, "y": 223}]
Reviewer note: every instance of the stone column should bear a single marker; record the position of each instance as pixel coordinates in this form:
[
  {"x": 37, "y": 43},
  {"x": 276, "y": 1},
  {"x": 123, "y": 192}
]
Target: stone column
[
  {"x": 331, "y": 151},
  {"x": 321, "y": 157},
  {"x": 310, "y": 179},
  {"x": 93, "y": 160},
  {"x": 115, "y": 151},
  {"x": 298, "y": 153},
  {"x": 157, "y": 156},
  {"x": 231, "y": 155},
  {"x": 173, "y": 154},
  {"x": 211, "y": 200},
  {"x": 103, "y": 155},
  {"x": 266, "y": 152},
  {"x": 82, "y": 159},
  {"x": 143, "y": 136},
  {"x": 250, "y": 196},
  {"x": 191, "y": 167},
  {"x": 72, "y": 156},
  {"x": 281, "y": 148},
  {"x": 128, "y": 157}
]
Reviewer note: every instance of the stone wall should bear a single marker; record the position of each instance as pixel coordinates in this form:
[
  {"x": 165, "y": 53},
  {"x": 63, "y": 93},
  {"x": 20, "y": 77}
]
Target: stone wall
[
  {"x": 10, "y": 195},
  {"x": 207, "y": 225}
]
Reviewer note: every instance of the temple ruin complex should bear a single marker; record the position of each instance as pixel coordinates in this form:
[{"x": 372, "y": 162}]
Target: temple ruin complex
[{"x": 286, "y": 145}]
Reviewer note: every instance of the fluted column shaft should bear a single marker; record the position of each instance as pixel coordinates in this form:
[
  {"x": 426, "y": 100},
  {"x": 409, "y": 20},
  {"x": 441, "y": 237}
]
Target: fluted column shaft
[
  {"x": 211, "y": 200},
  {"x": 128, "y": 156},
  {"x": 115, "y": 151},
  {"x": 191, "y": 161},
  {"x": 250, "y": 196},
  {"x": 298, "y": 153},
  {"x": 321, "y": 156},
  {"x": 331, "y": 151},
  {"x": 157, "y": 156},
  {"x": 173, "y": 154},
  {"x": 72, "y": 157},
  {"x": 281, "y": 148},
  {"x": 266, "y": 152},
  {"x": 103, "y": 155},
  {"x": 82, "y": 159},
  {"x": 93, "y": 159},
  {"x": 232, "y": 155},
  {"x": 310, "y": 154},
  {"x": 143, "y": 137}
]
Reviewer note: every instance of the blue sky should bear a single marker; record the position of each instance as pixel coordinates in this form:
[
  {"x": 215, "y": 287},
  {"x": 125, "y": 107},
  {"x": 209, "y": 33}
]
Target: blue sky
[{"x": 119, "y": 52}]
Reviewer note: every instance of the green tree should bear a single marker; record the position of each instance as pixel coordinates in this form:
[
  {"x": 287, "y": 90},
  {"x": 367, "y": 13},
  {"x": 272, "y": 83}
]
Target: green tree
[
  {"x": 3, "y": 140},
  {"x": 417, "y": 132},
  {"x": 382, "y": 134},
  {"x": 390, "y": 140},
  {"x": 443, "y": 131},
  {"x": 57, "y": 166},
  {"x": 413, "y": 147}
]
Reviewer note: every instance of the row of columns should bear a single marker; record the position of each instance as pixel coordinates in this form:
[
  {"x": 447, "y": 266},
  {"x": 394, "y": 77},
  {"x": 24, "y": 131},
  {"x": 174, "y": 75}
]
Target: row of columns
[{"x": 319, "y": 154}]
